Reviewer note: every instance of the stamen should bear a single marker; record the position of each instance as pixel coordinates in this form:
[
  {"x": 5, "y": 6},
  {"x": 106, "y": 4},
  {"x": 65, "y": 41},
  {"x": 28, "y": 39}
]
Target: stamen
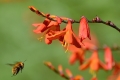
[
  {"x": 40, "y": 39},
  {"x": 42, "y": 36},
  {"x": 92, "y": 72},
  {"x": 65, "y": 45},
  {"x": 66, "y": 48}
]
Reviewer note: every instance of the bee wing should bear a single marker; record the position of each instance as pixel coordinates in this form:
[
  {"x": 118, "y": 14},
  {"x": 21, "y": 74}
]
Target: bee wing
[{"x": 10, "y": 64}]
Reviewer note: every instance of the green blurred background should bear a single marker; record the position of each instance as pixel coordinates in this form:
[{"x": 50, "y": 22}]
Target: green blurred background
[{"x": 18, "y": 42}]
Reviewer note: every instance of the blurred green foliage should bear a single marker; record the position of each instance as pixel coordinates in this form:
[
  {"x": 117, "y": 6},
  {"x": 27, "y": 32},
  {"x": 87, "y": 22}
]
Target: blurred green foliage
[{"x": 18, "y": 42}]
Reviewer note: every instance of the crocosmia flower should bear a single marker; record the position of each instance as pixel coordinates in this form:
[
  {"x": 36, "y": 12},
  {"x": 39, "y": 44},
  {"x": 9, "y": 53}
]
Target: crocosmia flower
[{"x": 84, "y": 31}]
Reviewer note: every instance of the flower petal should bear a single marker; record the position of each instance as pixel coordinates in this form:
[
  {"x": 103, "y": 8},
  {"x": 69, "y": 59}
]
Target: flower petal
[
  {"x": 57, "y": 35},
  {"x": 46, "y": 21},
  {"x": 103, "y": 66},
  {"x": 68, "y": 37},
  {"x": 94, "y": 65},
  {"x": 47, "y": 41},
  {"x": 60, "y": 70},
  {"x": 94, "y": 61},
  {"x": 85, "y": 65},
  {"x": 78, "y": 77},
  {"x": 84, "y": 30},
  {"x": 41, "y": 28},
  {"x": 109, "y": 58},
  {"x": 76, "y": 41},
  {"x": 59, "y": 20},
  {"x": 69, "y": 33},
  {"x": 69, "y": 73},
  {"x": 54, "y": 26},
  {"x": 36, "y": 24},
  {"x": 73, "y": 58}
]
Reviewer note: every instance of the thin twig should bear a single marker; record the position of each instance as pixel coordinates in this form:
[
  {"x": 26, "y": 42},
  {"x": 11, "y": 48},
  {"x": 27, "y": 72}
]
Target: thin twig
[
  {"x": 113, "y": 48},
  {"x": 64, "y": 20},
  {"x": 49, "y": 65}
]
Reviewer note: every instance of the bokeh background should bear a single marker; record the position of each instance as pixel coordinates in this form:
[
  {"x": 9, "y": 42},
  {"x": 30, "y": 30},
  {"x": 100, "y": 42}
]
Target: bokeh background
[{"x": 18, "y": 42}]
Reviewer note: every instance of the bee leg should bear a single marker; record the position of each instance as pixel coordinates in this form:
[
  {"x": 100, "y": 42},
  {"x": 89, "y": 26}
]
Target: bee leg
[
  {"x": 21, "y": 70},
  {"x": 13, "y": 75}
]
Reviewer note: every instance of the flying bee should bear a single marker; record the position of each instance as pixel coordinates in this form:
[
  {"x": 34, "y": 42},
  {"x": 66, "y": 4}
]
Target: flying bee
[{"x": 16, "y": 67}]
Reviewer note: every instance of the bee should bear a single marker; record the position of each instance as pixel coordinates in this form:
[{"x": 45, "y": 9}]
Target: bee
[{"x": 17, "y": 67}]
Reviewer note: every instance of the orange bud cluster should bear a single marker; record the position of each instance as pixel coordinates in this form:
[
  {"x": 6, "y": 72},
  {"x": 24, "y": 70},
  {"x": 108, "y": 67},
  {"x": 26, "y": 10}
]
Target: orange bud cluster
[{"x": 60, "y": 71}]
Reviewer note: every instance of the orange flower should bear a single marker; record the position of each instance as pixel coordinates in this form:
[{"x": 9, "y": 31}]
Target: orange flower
[
  {"x": 109, "y": 58},
  {"x": 66, "y": 36},
  {"x": 116, "y": 69},
  {"x": 57, "y": 35},
  {"x": 118, "y": 77},
  {"x": 115, "y": 73},
  {"x": 70, "y": 37},
  {"x": 114, "y": 77},
  {"x": 47, "y": 28},
  {"x": 94, "y": 63},
  {"x": 60, "y": 70},
  {"x": 53, "y": 27},
  {"x": 94, "y": 78},
  {"x": 41, "y": 27},
  {"x": 71, "y": 77},
  {"x": 77, "y": 54},
  {"x": 69, "y": 74},
  {"x": 84, "y": 30},
  {"x": 78, "y": 77},
  {"x": 90, "y": 44}
]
